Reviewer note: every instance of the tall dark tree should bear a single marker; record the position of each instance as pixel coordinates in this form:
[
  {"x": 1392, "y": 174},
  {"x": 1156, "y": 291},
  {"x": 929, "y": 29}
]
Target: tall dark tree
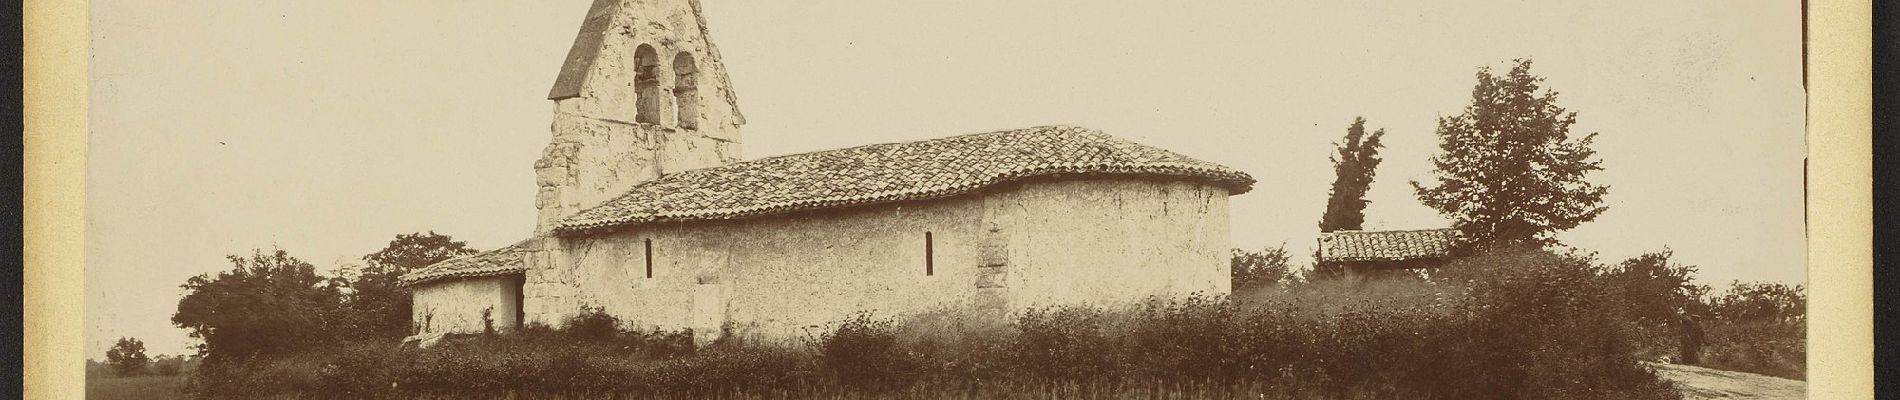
[
  {"x": 377, "y": 300},
  {"x": 266, "y": 304},
  {"x": 127, "y": 357},
  {"x": 1353, "y": 168},
  {"x": 1509, "y": 172}
]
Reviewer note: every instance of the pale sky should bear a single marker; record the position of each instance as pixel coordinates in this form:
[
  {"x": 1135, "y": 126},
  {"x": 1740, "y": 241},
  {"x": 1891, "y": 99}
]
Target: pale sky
[{"x": 327, "y": 128}]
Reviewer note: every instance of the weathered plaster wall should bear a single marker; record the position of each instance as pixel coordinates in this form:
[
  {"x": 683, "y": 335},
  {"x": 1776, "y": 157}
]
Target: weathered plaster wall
[
  {"x": 1111, "y": 241},
  {"x": 456, "y": 306},
  {"x": 1093, "y": 241},
  {"x": 598, "y": 151},
  {"x": 780, "y": 274}
]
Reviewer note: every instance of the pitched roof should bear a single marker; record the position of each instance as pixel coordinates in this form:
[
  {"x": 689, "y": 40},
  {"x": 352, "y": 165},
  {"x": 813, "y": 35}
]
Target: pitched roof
[
  {"x": 1386, "y": 245},
  {"x": 580, "y": 57},
  {"x": 890, "y": 172},
  {"x": 593, "y": 35},
  {"x": 502, "y": 261}
]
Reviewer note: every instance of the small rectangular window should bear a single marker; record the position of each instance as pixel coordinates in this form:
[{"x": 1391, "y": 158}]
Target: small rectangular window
[
  {"x": 930, "y": 258},
  {"x": 649, "y": 257}
]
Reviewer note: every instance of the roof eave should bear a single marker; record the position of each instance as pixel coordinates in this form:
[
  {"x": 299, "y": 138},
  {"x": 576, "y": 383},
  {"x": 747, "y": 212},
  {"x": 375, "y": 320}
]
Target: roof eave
[
  {"x": 459, "y": 276},
  {"x": 1238, "y": 184}
]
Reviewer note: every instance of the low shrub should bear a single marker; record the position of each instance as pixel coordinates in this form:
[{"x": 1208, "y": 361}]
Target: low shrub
[
  {"x": 864, "y": 351},
  {"x": 1066, "y": 343},
  {"x": 1760, "y": 328},
  {"x": 1773, "y": 349},
  {"x": 592, "y": 324}
]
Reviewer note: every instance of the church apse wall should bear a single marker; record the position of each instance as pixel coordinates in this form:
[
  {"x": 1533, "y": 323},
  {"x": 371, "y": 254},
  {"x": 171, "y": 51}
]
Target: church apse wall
[
  {"x": 1090, "y": 241},
  {"x": 1118, "y": 240}
]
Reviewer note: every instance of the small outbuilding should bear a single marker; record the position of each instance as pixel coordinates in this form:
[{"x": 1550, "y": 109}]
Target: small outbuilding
[{"x": 1363, "y": 253}]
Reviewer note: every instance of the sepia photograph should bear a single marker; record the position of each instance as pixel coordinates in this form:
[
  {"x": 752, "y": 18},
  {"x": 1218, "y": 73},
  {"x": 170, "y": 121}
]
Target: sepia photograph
[{"x": 1041, "y": 199}]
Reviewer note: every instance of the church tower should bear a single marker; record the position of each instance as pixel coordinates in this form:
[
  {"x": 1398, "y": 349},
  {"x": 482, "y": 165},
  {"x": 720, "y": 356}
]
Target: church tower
[{"x": 641, "y": 94}]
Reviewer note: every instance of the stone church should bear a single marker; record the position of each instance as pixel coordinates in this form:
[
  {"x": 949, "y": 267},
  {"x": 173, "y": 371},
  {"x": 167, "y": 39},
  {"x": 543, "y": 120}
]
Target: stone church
[{"x": 647, "y": 211}]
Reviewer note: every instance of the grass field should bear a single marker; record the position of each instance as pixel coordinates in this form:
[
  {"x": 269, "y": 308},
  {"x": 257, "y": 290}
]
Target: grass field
[{"x": 137, "y": 387}]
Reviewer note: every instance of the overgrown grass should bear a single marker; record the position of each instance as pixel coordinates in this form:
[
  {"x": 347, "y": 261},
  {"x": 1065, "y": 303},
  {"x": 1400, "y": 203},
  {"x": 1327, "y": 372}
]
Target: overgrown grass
[
  {"x": 135, "y": 387},
  {"x": 1767, "y": 348},
  {"x": 1514, "y": 326}
]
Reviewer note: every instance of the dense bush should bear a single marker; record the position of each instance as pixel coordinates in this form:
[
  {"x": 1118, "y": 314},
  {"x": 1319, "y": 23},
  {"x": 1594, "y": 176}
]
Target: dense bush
[
  {"x": 593, "y": 324},
  {"x": 864, "y": 351},
  {"x": 1550, "y": 326},
  {"x": 580, "y": 360},
  {"x": 1762, "y": 302},
  {"x": 1759, "y": 328},
  {"x": 1254, "y": 270}
]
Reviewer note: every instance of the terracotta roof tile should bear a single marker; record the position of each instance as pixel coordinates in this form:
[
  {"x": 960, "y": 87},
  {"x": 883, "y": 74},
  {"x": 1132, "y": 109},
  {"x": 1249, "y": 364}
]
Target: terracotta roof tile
[
  {"x": 1385, "y": 245},
  {"x": 892, "y": 172},
  {"x": 503, "y": 261}
]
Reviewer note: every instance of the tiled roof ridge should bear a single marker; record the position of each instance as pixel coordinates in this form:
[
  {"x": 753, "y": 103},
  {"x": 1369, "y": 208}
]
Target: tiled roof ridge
[
  {"x": 459, "y": 267},
  {"x": 1389, "y": 231},
  {"x": 1388, "y": 245},
  {"x": 966, "y": 135},
  {"x": 1167, "y": 163}
]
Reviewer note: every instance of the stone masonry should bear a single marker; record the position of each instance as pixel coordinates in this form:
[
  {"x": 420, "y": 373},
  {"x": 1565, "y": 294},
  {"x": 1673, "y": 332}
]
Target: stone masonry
[{"x": 616, "y": 125}]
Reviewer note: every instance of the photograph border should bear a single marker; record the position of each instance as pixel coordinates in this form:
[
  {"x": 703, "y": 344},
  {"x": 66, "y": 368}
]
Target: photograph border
[{"x": 1839, "y": 208}]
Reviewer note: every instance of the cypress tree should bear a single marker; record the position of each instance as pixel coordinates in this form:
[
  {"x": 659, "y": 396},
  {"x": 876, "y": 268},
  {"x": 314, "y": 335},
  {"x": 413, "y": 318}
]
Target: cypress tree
[{"x": 1353, "y": 168}]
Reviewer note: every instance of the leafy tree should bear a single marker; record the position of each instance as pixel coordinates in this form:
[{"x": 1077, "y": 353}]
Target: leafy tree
[
  {"x": 1663, "y": 293},
  {"x": 1509, "y": 173},
  {"x": 417, "y": 250},
  {"x": 168, "y": 365},
  {"x": 266, "y": 304},
  {"x": 379, "y": 302},
  {"x": 127, "y": 357},
  {"x": 1263, "y": 269},
  {"x": 1353, "y": 168},
  {"x": 1658, "y": 289}
]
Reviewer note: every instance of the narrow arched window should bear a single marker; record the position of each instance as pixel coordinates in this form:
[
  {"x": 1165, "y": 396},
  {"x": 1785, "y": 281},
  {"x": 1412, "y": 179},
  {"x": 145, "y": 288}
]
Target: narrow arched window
[
  {"x": 646, "y": 85},
  {"x": 686, "y": 90}
]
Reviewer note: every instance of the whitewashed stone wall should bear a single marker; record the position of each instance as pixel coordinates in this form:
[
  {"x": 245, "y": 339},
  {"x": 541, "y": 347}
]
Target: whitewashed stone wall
[
  {"x": 459, "y": 305},
  {"x": 598, "y": 150},
  {"x": 1091, "y": 241},
  {"x": 1115, "y": 241}
]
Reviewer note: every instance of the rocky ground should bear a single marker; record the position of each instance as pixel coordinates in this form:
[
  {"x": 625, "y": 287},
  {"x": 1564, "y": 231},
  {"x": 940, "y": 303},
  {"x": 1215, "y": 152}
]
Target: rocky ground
[{"x": 1699, "y": 383}]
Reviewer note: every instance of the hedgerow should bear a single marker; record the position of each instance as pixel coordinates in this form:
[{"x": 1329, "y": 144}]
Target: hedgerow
[{"x": 1528, "y": 325}]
